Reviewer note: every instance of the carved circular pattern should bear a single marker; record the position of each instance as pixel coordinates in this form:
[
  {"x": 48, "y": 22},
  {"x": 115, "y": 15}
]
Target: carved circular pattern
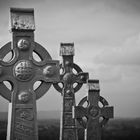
[
  {"x": 23, "y": 70},
  {"x": 24, "y": 96},
  {"x": 23, "y": 44},
  {"x": 94, "y": 111},
  {"x": 68, "y": 78},
  {"x": 49, "y": 71}
]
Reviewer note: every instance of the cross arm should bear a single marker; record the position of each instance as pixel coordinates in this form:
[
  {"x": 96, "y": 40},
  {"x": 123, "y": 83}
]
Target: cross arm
[
  {"x": 107, "y": 112},
  {"x": 81, "y": 77},
  {"x": 80, "y": 112},
  {"x": 54, "y": 71},
  {"x": 50, "y": 72},
  {"x": 47, "y": 74}
]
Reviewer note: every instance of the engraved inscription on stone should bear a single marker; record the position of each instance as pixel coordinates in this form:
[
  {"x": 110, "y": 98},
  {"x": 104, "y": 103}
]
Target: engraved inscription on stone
[
  {"x": 50, "y": 70},
  {"x": 26, "y": 114},
  {"x": 68, "y": 120},
  {"x": 68, "y": 105},
  {"x": 69, "y": 134},
  {"x": 94, "y": 111},
  {"x": 18, "y": 136},
  {"x": 23, "y": 128},
  {"x": 23, "y": 70}
]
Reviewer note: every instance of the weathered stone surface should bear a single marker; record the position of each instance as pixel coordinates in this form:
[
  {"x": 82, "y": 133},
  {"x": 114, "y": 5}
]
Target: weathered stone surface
[
  {"x": 23, "y": 44},
  {"x": 69, "y": 134},
  {"x": 68, "y": 120},
  {"x": 93, "y": 112},
  {"x": 68, "y": 130},
  {"x": 25, "y": 114},
  {"x": 22, "y": 19},
  {"x": 22, "y": 71},
  {"x": 67, "y": 49},
  {"x": 68, "y": 103}
]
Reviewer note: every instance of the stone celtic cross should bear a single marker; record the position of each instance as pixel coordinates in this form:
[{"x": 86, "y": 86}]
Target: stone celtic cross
[
  {"x": 22, "y": 71},
  {"x": 68, "y": 129},
  {"x": 89, "y": 117}
]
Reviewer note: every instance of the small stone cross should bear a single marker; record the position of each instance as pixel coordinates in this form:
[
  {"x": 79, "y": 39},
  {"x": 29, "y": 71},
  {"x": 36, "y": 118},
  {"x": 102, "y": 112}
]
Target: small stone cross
[
  {"x": 68, "y": 129},
  {"x": 90, "y": 116}
]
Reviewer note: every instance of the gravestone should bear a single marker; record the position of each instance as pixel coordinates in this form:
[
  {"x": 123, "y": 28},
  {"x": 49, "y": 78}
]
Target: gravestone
[
  {"x": 22, "y": 71},
  {"x": 93, "y": 117},
  {"x": 71, "y": 78}
]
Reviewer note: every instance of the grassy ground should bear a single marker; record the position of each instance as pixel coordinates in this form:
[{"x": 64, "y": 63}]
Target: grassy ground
[{"x": 118, "y": 129}]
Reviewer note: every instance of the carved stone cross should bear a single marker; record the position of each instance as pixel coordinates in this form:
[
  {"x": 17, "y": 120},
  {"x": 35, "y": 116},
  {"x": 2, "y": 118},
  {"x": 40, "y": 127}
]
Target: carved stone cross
[
  {"x": 22, "y": 71},
  {"x": 89, "y": 117},
  {"x": 68, "y": 78}
]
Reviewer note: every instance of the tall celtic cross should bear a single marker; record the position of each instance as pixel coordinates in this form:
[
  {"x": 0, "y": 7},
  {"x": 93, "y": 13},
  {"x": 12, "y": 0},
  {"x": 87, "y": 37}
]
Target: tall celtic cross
[
  {"x": 22, "y": 71},
  {"x": 71, "y": 82},
  {"x": 93, "y": 117}
]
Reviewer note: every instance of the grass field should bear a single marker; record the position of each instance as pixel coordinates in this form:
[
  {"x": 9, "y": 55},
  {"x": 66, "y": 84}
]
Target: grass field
[{"x": 117, "y": 129}]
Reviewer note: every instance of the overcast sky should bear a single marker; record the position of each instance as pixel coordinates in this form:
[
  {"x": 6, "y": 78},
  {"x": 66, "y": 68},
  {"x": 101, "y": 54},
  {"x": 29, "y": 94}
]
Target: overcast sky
[{"x": 106, "y": 34}]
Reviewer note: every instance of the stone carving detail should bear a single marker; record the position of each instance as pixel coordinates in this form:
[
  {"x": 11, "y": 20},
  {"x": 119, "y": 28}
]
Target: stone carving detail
[
  {"x": 24, "y": 96},
  {"x": 21, "y": 20},
  {"x": 94, "y": 111},
  {"x": 22, "y": 128},
  {"x": 67, "y": 49},
  {"x": 26, "y": 114},
  {"x": 93, "y": 86},
  {"x": 69, "y": 93},
  {"x": 18, "y": 137},
  {"x": 23, "y": 44},
  {"x": 68, "y": 121},
  {"x": 23, "y": 70},
  {"x": 49, "y": 71},
  {"x": 69, "y": 134},
  {"x": 68, "y": 105}
]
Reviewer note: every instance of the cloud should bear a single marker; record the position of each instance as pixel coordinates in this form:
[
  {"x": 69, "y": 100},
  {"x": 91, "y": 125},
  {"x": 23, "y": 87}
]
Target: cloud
[
  {"x": 106, "y": 73},
  {"x": 119, "y": 63},
  {"x": 126, "y": 54}
]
